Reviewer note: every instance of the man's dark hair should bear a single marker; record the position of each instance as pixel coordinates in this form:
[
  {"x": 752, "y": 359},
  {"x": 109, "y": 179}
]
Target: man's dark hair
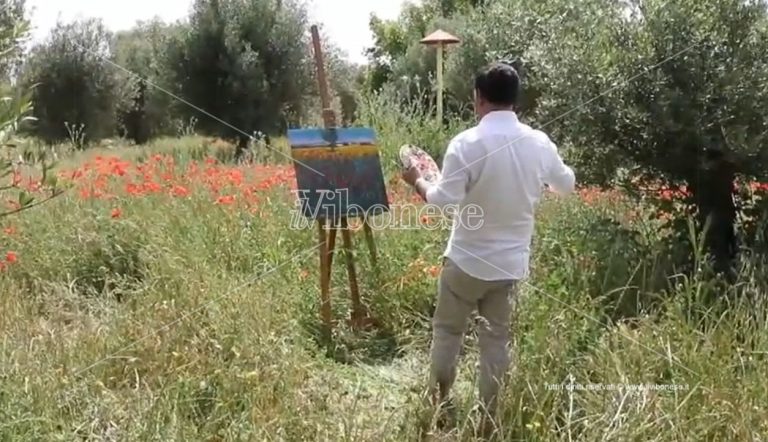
[{"x": 499, "y": 84}]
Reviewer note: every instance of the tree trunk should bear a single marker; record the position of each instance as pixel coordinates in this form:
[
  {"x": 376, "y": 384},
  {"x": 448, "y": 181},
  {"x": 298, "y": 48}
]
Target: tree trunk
[
  {"x": 141, "y": 129},
  {"x": 135, "y": 120},
  {"x": 242, "y": 146},
  {"x": 717, "y": 211}
]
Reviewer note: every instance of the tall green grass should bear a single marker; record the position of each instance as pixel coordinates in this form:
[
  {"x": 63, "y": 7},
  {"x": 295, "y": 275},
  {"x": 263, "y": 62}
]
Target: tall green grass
[{"x": 182, "y": 320}]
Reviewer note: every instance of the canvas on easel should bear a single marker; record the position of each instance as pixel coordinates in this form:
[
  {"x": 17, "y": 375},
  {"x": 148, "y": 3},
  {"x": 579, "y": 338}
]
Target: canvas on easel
[{"x": 338, "y": 176}]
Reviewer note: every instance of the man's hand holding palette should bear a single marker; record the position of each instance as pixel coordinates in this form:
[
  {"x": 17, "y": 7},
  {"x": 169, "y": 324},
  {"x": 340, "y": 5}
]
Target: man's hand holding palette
[{"x": 413, "y": 156}]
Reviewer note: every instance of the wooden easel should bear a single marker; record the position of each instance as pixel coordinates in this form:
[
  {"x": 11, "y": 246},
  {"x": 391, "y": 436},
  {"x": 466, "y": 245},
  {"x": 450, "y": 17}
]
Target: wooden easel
[{"x": 328, "y": 228}]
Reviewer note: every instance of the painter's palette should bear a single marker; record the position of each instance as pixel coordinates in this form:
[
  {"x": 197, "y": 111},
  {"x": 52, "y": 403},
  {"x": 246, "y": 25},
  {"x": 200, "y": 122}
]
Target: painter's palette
[
  {"x": 411, "y": 155},
  {"x": 338, "y": 172}
]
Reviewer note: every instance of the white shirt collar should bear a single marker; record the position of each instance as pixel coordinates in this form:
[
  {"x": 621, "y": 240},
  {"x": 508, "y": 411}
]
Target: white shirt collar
[{"x": 501, "y": 116}]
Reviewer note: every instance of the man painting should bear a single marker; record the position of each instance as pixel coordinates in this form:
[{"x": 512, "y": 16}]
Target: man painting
[{"x": 501, "y": 167}]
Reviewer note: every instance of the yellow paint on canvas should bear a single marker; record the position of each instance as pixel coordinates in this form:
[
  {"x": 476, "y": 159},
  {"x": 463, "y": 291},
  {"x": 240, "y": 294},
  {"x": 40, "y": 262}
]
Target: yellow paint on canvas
[{"x": 351, "y": 151}]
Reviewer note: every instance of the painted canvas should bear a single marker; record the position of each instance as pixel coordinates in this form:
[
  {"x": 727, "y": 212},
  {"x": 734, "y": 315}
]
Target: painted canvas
[{"x": 338, "y": 172}]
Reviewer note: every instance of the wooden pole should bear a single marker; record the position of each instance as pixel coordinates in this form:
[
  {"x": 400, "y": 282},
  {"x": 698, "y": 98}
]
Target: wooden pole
[
  {"x": 371, "y": 244},
  {"x": 329, "y": 117},
  {"x": 440, "y": 39},
  {"x": 440, "y": 48},
  {"x": 331, "y": 246},
  {"x": 358, "y": 313},
  {"x": 326, "y": 238},
  {"x": 325, "y": 280}
]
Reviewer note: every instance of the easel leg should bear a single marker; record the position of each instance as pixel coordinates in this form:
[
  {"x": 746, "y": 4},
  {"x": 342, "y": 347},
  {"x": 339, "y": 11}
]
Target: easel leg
[
  {"x": 325, "y": 298},
  {"x": 371, "y": 244},
  {"x": 358, "y": 313},
  {"x": 334, "y": 228}
]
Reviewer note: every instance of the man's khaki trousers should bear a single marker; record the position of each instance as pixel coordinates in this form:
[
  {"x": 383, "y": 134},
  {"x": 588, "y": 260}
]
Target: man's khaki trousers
[{"x": 459, "y": 294}]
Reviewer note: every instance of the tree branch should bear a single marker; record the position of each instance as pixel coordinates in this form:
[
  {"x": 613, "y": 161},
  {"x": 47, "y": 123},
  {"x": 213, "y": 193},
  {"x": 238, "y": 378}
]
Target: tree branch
[{"x": 29, "y": 206}]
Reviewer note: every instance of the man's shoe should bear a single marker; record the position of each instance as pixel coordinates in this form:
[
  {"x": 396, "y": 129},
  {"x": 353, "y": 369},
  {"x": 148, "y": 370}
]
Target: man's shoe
[
  {"x": 447, "y": 417},
  {"x": 486, "y": 427}
]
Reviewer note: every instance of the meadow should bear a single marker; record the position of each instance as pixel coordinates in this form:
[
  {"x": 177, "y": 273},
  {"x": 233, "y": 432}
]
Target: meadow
[{"x": 164, "y": 296}]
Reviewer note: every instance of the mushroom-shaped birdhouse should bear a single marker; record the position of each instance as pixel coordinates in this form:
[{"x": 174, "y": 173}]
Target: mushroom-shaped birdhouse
[{"x": 440, "y": 40}]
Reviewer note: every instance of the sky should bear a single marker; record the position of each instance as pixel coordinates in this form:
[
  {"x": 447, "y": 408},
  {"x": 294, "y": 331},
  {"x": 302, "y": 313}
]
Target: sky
[{"x": 346, "y": 21}]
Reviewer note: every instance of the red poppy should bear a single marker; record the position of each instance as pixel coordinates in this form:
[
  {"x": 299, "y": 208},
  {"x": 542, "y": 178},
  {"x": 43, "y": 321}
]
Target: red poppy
[
  {"x": 179, "y": 191},
  {"x": 758, "y": 187},
  {"x": 225, "y": 199}
]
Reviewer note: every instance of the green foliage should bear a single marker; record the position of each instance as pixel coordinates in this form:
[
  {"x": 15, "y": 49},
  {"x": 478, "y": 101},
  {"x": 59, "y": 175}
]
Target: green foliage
[
  {"x": 110, "y": 265},
  {"x": 671, "y": 91},
  {"x": 595, "y": 76},
  {"x": 233, "y": 69},
  {"x": 76, "y": 87},
  {"x": 13, "y": 29},
  {"x": 683, "y": 109},
  {"x": 144, "y": 109},
  {"x": 244, "y": 62},
  {"x": 645, "y": 97},
  {"x": 14, "y": 112},
  {"x": 400, "y": 119},
  {"x": 397, "y": 55}
]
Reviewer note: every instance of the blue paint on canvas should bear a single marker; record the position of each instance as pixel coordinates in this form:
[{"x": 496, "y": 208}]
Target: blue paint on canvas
[
  {"x": 329, "y": 137},
  {"x": 338, "y": 173}
]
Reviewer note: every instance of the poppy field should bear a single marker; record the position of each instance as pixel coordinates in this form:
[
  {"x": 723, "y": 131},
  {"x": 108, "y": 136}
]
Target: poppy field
[{"x": 166, "y": 296}]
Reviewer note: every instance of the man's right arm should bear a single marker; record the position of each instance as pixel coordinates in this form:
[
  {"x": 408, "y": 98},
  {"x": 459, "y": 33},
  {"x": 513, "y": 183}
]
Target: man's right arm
[{"x": 557, "y": 175}]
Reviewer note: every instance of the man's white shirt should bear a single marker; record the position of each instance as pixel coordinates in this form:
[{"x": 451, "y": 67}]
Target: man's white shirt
[{"x": 493, "y": 176}]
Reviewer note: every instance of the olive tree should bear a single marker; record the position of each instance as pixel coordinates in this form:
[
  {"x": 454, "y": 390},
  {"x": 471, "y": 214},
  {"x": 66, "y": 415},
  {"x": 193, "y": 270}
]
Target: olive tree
[
  {"x": 144, "y": 108},
  {"x": 675, "y": 88},
  {"x": 243, "y": 62},
  {"x": 76, "y": 90}
]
